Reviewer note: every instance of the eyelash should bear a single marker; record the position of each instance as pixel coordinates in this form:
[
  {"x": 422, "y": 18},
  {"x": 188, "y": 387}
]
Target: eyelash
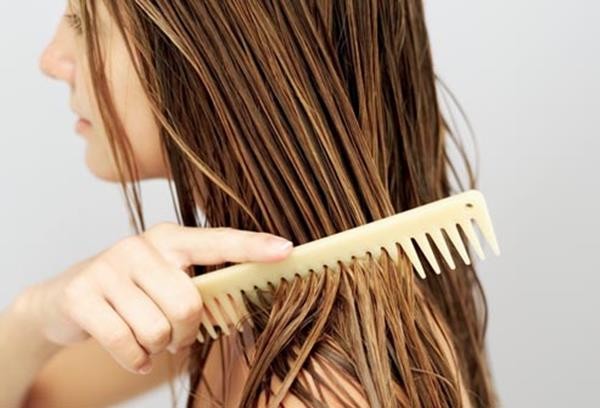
[{"x": 74, "y": 22}]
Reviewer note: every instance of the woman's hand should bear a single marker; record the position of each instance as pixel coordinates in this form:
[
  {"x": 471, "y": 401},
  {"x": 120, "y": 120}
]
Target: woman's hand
[{"x": 135, "y": 298}]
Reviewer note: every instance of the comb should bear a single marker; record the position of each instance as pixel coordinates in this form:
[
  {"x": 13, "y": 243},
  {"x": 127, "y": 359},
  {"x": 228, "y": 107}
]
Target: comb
[{"x": 221, "y": 290}]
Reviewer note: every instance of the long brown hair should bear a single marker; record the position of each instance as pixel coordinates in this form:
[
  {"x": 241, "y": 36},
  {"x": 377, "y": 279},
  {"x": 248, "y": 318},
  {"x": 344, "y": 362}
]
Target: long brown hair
[{"x": 306, "y": 118}]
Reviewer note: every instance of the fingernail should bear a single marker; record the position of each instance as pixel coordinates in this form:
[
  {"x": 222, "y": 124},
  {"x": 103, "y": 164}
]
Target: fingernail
[
  {"x": 146, "y": 368},
  {"x": 172, "y": 349},
  {"x": 280, "y": 244}
]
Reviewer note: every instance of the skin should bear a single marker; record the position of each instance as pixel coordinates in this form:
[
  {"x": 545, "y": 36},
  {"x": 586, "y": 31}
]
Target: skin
[
  {"x": 64, "y": 59},
  {"x": 113, "y": 316}
]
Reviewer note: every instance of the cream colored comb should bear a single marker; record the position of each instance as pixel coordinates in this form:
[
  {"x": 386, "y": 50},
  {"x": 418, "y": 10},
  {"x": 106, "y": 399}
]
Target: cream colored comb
[{"x": 221, "y": 290}]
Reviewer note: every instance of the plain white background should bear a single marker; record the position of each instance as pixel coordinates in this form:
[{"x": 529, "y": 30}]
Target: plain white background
[{"x": 526, "y": 72}]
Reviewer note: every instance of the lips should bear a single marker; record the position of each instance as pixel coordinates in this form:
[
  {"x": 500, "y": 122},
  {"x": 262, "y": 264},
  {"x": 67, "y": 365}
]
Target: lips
[
  {"x": 82, "y": 125},
  {"x": 77, "y": 112},
  {"x": 80, "y": 116}
]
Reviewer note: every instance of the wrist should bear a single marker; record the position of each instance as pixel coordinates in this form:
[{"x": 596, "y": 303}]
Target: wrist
[{"x": 28, "y": 308}]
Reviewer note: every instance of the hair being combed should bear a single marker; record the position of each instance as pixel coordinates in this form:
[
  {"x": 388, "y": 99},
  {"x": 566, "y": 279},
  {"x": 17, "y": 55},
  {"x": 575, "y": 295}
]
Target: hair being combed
[{"x": 303, "y": 119}]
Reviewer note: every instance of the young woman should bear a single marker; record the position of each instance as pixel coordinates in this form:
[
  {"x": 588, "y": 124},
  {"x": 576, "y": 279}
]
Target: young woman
[{"x": 272, "y": 119}]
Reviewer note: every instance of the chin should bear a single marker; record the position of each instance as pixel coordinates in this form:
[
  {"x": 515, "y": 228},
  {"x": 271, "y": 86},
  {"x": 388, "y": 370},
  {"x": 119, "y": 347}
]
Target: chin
[
  {"x": 100, "y": 165},
  {"x": 104, "y": 174},
  {"x": 103, "y": 170}
]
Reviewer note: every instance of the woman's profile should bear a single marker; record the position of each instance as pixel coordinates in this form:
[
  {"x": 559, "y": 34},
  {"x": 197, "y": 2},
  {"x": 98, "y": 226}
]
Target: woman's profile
[{"x": 275, "y": 123}]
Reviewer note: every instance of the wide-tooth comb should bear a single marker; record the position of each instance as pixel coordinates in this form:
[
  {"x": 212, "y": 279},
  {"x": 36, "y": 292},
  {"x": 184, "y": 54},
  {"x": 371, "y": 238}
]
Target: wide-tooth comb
[{"x": 221, "y": 290}]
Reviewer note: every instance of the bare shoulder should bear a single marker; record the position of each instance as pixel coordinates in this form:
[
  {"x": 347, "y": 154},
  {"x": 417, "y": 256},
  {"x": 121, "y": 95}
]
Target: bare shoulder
[{"x": 85, "y": 374}]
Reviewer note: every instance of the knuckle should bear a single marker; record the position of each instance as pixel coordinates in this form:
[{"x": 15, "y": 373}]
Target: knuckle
[
  {"x": 72, "y": 293},
  {"x": 186, "y": 312},
  {"x": 159, "y": 235},
  {"x": 158, "y": 336},
  {"x": 100, "y": 269},
  {"x": 160, "y": 229},
  {"x": 130, "y": 244},
  {"x": 195, "y": 309},
  {"x": 103, "y": 273},
  {"x": 132, "y": 249},
  {"x": 195, "y": 303}
]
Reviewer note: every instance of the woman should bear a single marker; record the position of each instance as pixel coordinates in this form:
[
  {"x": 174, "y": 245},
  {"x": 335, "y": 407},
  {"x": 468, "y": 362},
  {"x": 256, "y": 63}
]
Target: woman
[{"x": 293, "y": 118}]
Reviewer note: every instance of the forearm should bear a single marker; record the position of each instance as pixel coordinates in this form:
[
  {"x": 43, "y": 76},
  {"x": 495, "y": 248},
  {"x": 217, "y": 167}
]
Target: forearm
[{"x": 23, "y": 350}]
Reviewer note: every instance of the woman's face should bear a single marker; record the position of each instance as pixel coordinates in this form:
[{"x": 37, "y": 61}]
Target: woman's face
[{"x": 65, "y": 59}]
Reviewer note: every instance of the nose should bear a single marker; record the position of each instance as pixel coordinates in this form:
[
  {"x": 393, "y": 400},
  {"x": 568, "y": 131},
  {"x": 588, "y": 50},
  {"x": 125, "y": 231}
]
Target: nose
[{"x": 56, "y": 61}]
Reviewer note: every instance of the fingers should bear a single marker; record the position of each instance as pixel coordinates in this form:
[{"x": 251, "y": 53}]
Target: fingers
[
  {"x": 179, "y": 300},
  {"x": 209, "y": 246},
  {"x": 109, "y": 329},
  {"x": 150, "y": 326},
  {"x": 136, "y": 299},
  {"x": 169, "y": 288},
  {"x": 143, "y": 300}
]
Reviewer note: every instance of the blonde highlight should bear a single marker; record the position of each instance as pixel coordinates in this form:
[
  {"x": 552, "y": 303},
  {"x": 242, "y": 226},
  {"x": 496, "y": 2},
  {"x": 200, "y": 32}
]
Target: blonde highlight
[{"x": 305, "y": 118}]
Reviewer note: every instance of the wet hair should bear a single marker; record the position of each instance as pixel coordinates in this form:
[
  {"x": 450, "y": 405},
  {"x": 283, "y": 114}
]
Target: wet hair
[{"x": 305, "y": 118}]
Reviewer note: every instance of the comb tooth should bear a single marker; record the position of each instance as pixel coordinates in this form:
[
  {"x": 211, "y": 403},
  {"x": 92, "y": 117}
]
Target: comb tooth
[
  {"x": 228, "y": 308},
  {"x": 240, "y": 305},
  {"x": 485, "y": 225},
  {"x": 251, "y": 295},
  {"x": 250, "y": 321},
  {"x": 458, "y": 243},
  {"x": 208, "y": 325},
  {"x": 240, "y": 308},
  {"x": 440, "y": 242},
  {"x": 200, "y": 337},
  {"x": 426, "y": 248},
  {"x": 335, "y": 266},
  {"x": 467, "y": 227},
  {"x": 392, "y": 250},
  {"x": 215, "y": 310},
  {"x": 408, "y": 248}
]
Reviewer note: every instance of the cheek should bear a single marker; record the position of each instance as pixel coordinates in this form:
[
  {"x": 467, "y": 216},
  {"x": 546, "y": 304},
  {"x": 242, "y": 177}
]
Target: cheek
[
  {"x": 143, "y": 135},
  {"x": 141, "y": 129},
  {"x": 134, "y": 110}
]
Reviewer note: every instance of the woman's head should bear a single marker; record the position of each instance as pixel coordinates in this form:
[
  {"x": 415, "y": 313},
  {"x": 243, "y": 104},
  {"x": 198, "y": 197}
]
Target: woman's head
[
  {"x": 65, "y": 58},
  {"x": 299, "y": 118}
]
